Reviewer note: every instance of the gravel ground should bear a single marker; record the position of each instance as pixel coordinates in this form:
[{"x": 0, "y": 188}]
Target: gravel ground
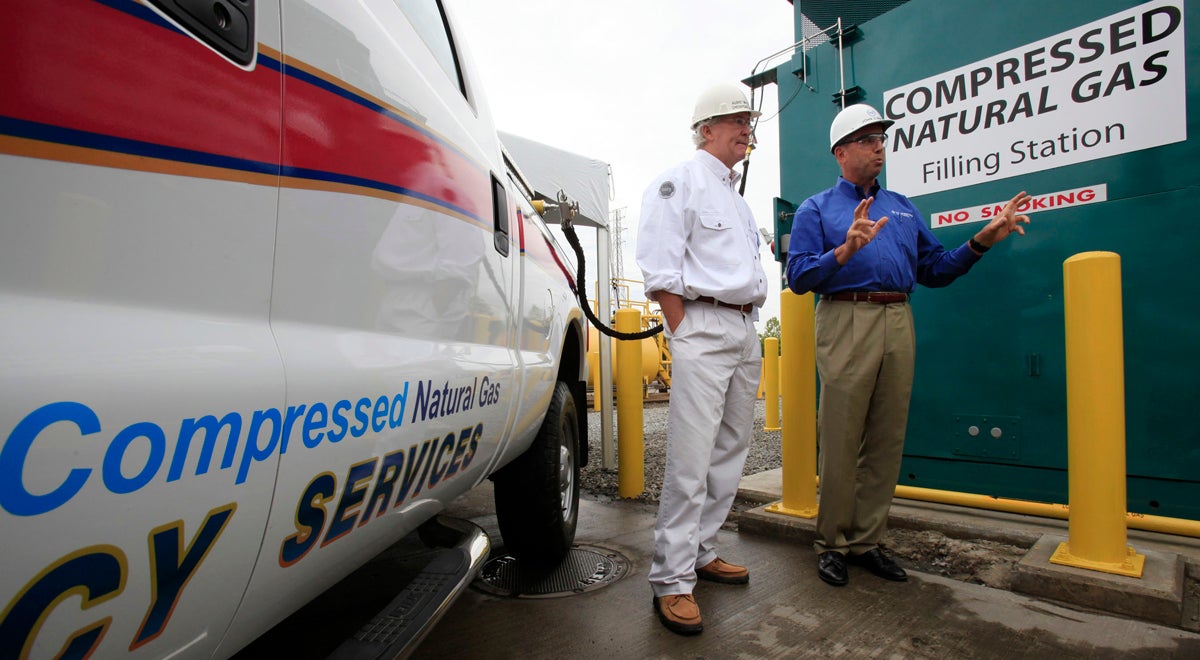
[{"x": 598, "y": 483}]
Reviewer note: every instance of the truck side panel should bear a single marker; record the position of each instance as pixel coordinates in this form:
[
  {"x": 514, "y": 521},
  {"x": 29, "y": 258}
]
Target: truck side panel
[
  {"x": 257, "y": 321},
  {"x": 390, "y": 298},
  {"x": 139, "y": 375}
]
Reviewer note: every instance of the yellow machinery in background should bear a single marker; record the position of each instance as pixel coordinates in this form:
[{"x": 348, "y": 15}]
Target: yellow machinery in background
[{"x": 656, "y": 357}]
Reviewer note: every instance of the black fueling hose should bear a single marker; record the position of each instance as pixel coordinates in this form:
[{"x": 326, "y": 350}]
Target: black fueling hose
[
  {"x": 573, "y": 239},
  {"x": 746, "y": 164}
]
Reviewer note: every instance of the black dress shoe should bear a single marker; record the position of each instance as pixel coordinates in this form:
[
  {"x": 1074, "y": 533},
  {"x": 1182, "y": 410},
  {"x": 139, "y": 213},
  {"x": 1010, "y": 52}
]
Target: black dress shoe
[
  {"x": 880, "y": 564},
  {"x": 831, "y": 567}
]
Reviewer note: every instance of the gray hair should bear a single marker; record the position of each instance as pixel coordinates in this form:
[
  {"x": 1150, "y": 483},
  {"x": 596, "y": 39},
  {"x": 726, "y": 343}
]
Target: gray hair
[{"x": 697, "y": 137}]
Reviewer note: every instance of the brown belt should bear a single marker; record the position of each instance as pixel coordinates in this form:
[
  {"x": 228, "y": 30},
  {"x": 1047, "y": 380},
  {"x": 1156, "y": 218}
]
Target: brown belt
[
  {"x": 882, "y": 297},
  {"x": 745, "y": 309}
]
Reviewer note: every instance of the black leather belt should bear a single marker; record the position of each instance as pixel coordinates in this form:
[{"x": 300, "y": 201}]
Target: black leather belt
[
  {"x": 881, "y": 297},
  {"x": 745, "y": 309}
]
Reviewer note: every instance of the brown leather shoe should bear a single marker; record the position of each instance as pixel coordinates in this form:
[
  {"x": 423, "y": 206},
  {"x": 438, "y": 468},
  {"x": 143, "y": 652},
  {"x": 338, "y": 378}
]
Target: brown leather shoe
[
  {"x": 679, "y": 613},
  {"x": 719, "y": 570}
]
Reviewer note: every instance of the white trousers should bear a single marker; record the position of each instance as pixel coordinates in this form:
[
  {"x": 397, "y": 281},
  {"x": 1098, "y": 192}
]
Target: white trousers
[{"x": 715, "y": 366}]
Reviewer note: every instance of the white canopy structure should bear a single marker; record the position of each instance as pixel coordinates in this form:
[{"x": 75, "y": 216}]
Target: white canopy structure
[
  {"x": 549, "y": 170},
  {"x": 585, "y": 181}
]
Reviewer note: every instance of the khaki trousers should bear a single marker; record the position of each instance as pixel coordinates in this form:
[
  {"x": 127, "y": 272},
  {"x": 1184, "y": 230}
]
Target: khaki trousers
[{"x": 865, "y": 357}]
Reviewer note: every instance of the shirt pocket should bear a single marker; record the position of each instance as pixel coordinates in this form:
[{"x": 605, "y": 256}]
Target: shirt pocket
[
  {"x": 717, "y": 240},
  {"x": 714, "y": 221}
]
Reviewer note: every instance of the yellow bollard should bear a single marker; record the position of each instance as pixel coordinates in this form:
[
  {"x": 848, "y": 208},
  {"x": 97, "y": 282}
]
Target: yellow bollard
[
  {"x": 762, "y": 384},
  {"x": 1096, "y": 418},
  {"x": 593, "y": 359},
  {"x": 770, "y": 377},
  {"x": 798, "y": 368},
  {"x": 631, "y": 471}
]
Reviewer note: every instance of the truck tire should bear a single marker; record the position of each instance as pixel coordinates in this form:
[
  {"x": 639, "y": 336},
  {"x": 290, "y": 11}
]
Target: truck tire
[{"x": 537, "y": 495}]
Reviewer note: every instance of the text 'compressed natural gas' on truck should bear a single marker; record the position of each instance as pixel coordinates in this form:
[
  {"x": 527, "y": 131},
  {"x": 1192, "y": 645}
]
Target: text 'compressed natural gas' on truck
[{"x": 271, "y": 295}]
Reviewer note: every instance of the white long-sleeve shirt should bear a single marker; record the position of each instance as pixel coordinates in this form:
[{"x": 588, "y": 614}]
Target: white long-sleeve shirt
[{"x": 697, "y": 236}]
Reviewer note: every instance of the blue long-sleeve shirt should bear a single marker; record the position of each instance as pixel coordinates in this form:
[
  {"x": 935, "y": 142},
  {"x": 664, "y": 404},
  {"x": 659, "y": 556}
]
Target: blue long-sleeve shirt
[{"x": 903, "y": 254}]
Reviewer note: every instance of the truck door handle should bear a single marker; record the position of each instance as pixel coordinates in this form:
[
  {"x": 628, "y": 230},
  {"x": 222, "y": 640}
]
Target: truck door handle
[{"x": 226, "y": 25}]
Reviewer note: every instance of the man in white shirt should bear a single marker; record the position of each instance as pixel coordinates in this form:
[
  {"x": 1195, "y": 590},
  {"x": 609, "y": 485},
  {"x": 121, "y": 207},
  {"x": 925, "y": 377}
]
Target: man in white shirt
[{"x": 698, "y": 249}]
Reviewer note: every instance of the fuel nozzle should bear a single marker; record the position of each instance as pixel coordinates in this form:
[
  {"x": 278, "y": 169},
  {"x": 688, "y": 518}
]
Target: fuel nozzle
[{"x": 564, "y": 207}]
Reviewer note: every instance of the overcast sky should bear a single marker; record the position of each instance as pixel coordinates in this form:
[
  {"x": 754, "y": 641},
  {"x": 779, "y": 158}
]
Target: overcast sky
[{"x": 616, "y": 80}]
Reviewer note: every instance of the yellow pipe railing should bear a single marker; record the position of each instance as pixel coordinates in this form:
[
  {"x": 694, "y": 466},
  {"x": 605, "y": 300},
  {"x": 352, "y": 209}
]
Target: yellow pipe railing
[
  {"x": 1140, "y": 521},
  {"x": 1145, "y": 522}
]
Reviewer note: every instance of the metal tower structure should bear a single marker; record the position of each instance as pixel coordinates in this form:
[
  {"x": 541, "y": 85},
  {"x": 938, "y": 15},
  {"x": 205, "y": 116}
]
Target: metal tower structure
[{"x": 618, "y": 240}]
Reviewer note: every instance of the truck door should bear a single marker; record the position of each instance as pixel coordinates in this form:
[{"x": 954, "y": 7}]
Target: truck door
[
  {"x": 393, "y": 283},
  {"x": 545, "y": 275},
  {"x": 138, "y": 173}
]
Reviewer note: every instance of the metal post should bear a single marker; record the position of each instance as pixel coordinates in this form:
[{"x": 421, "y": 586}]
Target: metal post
[
  {"x": 631, "y": 472},
  {"x": 593, "y": 360},
  {"x": 770, "y": 377},
  {"x": 604, "y": 391},
  {"x": 1096, "y": 418},
  {"x": 841, "y": 63},
  {"x": 799, "y": 390}
]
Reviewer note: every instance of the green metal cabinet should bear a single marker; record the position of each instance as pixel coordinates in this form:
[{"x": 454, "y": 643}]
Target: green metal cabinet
[{"x": 990, "y": 347}]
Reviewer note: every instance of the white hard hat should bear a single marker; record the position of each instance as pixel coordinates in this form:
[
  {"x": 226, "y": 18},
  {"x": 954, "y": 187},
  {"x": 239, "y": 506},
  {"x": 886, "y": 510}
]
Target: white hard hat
[
  {"x": 853, "y": 118},
  {"x": 721, "y": 99}
]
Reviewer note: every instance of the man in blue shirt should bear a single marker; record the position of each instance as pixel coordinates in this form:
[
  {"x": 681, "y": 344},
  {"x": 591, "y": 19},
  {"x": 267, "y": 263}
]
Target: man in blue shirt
[{"x": 863, "y": 250}]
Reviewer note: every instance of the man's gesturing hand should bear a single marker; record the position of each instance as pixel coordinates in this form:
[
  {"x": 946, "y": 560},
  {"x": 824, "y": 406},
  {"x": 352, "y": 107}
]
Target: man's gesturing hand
[
  {"x": 861, "y": 232},
  {"x": 1006, "y": 222}
]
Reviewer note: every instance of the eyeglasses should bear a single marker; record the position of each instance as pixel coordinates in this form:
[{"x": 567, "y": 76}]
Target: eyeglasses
[
  {"x": 741, "y": 122},
  {"x": 870, "y": 139}
]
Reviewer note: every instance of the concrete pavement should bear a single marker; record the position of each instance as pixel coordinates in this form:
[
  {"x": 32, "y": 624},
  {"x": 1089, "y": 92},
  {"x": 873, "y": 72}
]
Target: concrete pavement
[{"x": 786, "y": 611}]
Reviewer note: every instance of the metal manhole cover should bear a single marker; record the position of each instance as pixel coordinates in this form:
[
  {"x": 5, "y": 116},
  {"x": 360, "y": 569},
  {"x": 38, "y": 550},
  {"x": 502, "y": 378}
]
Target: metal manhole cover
[{"x": 585, "y": 568}]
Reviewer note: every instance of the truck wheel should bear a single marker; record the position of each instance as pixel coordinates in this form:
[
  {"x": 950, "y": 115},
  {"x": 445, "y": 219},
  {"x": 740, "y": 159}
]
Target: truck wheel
[{"x": 537, "y": 495}]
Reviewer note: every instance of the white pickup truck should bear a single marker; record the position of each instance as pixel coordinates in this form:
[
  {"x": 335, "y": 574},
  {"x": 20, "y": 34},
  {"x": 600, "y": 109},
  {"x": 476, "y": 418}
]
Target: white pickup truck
[{"x": 270, "y": 296}]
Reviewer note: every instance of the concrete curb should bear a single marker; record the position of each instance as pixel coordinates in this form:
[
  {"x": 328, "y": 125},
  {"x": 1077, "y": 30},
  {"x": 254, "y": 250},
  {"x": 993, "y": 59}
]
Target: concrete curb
[
  {"x": 1160, "y": 595},
  {"x": 1157, "y": 596}
]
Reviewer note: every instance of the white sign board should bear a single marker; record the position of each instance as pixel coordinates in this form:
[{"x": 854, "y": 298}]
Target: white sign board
[{"x": 1109, "y": 87}]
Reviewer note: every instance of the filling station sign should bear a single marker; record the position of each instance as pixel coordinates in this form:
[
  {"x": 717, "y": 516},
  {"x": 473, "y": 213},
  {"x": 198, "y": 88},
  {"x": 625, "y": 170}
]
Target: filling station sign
[{"x": 1109, "y": 87}]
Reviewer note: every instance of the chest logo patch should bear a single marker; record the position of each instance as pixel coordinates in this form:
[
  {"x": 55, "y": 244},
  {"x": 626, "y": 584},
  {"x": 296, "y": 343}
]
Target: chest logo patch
[{"x": 666, "y": 190}]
